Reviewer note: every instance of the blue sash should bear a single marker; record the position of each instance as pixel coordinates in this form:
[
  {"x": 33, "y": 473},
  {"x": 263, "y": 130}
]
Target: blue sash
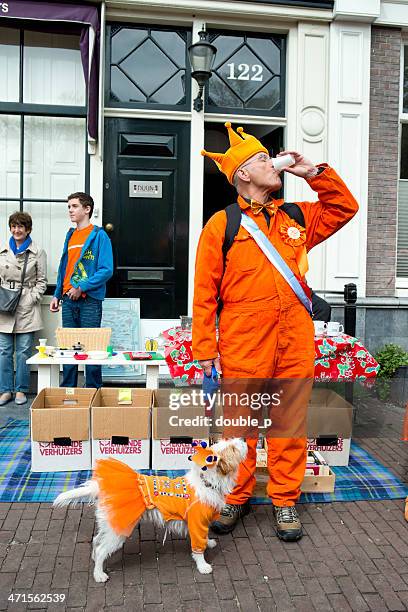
[{"x": 276, "y": 259}]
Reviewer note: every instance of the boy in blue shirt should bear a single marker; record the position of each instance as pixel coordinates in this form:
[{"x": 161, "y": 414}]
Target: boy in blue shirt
[{"x": 85, "y": 267}]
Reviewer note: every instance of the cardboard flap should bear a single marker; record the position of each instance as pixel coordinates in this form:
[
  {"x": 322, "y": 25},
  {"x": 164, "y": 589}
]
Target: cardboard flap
[
  {"x": 106, "y": 397},
  {"x": 121, "y": 412},
  {"x": 62, "y": 422},
  {"x": 189, "y": 422},
  {"x": 124, "y": 421},
  {"x": 167, "y": 397},
  {"x": 329, "y": 414},
  {"x": 176, "y": 414},
  {"x": 56, "y": 397},
  {"x": 61, "y": 413}
]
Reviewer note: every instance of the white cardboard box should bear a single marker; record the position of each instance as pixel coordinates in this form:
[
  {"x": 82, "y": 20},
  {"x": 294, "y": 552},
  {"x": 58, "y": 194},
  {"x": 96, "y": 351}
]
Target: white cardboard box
[
  {"x": 60, "y": 430},
  {"x": 335, "y": 454},
  {"x": 120, "y": 426},
  {"x": 49, "y": 457},
  {"x": 136, "y": 454},
  {"x": 167, "y": 455},
  {"x": 171, "y": 445}
]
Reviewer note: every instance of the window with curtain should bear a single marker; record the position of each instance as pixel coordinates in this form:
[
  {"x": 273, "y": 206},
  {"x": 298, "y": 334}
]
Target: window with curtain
[
  {"x": 42, "y": 133},
  {"x": 402, "y": 245}
]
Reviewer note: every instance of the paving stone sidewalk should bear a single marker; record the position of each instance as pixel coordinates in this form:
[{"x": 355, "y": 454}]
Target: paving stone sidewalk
[{"x": 353, "y": 556}]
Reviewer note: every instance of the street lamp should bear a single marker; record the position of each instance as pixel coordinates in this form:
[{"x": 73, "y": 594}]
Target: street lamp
[{"x": 202, "y": 56}]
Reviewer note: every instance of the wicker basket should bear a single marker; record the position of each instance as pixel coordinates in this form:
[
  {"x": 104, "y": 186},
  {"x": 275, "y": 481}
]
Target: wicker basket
[{"x": 93, "y": 338}]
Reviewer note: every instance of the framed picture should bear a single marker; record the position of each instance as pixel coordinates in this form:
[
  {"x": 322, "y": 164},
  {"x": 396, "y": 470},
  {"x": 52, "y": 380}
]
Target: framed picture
[{"x": 123, "y": 316}]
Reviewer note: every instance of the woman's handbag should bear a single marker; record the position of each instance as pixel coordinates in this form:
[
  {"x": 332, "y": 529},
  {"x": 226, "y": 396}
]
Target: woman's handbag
[{"x": 9, "y": 298}]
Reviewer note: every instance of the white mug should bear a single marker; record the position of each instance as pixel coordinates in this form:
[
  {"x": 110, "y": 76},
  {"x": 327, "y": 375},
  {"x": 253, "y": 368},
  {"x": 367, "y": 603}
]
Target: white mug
[
  {"x": 42, "y": 341},
  {"x": 334, "y": 328},
  {"x": 320, "y": 328}
]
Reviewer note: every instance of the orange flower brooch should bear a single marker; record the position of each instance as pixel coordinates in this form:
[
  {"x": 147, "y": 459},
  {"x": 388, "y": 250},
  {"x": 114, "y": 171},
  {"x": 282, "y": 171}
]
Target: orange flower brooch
[{"x": 292, "y": 233}]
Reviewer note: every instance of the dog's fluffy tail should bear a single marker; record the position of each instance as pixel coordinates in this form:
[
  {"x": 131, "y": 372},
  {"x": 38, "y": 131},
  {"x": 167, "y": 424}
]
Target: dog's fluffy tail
[{"x": 87, "y": 492}]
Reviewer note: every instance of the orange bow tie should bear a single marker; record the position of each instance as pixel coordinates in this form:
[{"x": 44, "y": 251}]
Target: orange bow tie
[{"x": 256, "y": 207}]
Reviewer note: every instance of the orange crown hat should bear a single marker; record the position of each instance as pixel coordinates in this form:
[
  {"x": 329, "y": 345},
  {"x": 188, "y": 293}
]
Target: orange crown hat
[
  {"x": 203, "y": 456},
  {"x": 242, "y": 147}
]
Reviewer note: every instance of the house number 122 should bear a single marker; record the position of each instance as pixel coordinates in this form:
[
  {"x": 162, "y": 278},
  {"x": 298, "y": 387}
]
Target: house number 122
[{"x": 244, "y": 71}]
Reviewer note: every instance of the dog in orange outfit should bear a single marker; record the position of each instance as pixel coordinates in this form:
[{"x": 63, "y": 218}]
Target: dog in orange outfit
[{"x": 185, "y": 505}]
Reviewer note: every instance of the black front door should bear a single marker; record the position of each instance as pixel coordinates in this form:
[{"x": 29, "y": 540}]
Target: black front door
[{"x": 146, "y": 210}]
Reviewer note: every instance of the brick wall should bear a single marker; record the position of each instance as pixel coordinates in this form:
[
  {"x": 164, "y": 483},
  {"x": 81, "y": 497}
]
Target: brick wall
[{"x": 383, "y": 161}]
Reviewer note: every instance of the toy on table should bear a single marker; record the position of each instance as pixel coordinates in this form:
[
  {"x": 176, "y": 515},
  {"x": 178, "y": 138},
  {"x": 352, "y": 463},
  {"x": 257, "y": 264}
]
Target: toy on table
[
  {"x": 42, "y": 348},
  {"x": 78, "y": 347},
  {"x": 65, "y": 352},
  {"x": 138, "y": 355},
  {"x": 42, "y": 351},
  {"x": 151, "y": 345}
]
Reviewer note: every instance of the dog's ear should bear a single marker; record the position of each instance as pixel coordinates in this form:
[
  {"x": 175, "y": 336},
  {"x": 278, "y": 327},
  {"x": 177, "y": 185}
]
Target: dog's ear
[
  {"x": 223, "y": 467},
  {"x": 228, "y": 460}
]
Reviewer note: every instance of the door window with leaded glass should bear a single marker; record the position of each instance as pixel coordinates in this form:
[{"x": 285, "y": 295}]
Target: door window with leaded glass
[
  {"x": 248, "y": 75},
  {"x": 147, "y": 67}
]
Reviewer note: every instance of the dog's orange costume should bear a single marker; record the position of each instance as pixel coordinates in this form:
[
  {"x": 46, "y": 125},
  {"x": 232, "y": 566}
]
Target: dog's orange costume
[
  {"x": 125, "y": 495},
  {"x": 264, "y": 330}
]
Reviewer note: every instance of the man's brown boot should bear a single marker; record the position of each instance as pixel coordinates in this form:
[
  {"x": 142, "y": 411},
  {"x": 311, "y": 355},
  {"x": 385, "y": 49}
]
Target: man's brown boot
[
  {"x": 288, "y": 525},
  {"x": 229, "y": 517}
]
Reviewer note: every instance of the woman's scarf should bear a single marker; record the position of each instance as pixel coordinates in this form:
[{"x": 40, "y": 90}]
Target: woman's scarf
[{"x": 17, "y": 250}]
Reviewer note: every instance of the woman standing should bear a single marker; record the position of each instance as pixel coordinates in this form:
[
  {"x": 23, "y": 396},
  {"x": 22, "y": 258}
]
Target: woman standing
[{"x": 17, "y": 329}]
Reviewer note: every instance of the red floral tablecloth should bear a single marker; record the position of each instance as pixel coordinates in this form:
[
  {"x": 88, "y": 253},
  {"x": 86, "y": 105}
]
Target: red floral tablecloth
[
  {"x": 343, "y": 357},
  {"x": 336, "y": 358}
]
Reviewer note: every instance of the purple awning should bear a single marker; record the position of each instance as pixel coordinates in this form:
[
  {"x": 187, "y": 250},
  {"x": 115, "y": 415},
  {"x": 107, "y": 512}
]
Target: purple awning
[{"x": 69, "y": 13}]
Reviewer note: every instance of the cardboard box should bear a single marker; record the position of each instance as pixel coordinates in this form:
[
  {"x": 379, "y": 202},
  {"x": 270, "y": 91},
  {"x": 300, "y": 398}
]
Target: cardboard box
[
  {"x": 60, "y": 430},
  {"x": 175, "y": 425},
  {"x": 179, "y": 413},
  {"x": 120, "y": 426},
  {"x": 329, "y": 414},
  {"x": 335, "y": 450},
  {"x": 311, "y": 483},
  {"x": 173, "y": 453}
]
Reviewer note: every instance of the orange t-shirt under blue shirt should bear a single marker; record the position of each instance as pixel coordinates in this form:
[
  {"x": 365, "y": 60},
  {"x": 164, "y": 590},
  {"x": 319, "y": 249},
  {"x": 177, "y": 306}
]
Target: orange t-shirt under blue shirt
[{"x": 75, "y": 245}]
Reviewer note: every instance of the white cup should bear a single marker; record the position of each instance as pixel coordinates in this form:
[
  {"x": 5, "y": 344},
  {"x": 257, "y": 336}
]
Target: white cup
[
  {"x": 284, "y": 161},
  {"x": 42, "y": 341},
  {"x": 334, "y": 328},
  {"x": 320, "y": 328}
]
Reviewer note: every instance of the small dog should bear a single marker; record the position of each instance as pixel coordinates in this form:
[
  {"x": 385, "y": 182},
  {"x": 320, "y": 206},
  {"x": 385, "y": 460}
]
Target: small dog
[{"x": 185, "y": 505}]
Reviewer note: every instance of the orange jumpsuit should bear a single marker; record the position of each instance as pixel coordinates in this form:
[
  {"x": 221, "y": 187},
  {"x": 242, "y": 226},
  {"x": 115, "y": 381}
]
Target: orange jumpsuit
[
  {"x": 126, "y": 494},
  {"x": 264, "y": 330}
]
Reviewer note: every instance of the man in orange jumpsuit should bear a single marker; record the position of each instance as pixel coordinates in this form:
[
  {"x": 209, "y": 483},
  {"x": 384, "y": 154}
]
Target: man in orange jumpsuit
[{"x": 265, "y": 331}]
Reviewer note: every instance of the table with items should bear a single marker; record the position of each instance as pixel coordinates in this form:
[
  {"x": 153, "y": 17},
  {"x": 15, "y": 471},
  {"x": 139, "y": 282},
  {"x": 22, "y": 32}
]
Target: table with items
[
  {"x": 339, "y": 357},
  {"x": 49, "y": 367}
]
